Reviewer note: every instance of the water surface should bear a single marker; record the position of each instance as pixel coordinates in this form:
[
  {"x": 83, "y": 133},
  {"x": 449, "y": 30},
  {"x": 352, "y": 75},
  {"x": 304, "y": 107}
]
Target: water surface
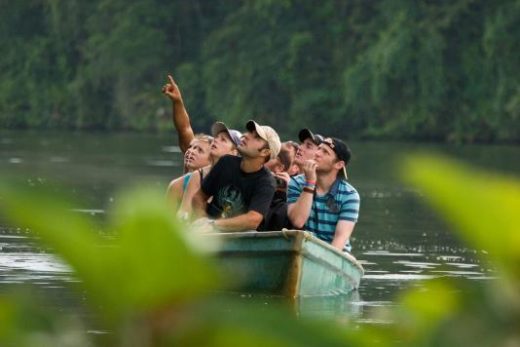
[{"x": 401, "y": 242}]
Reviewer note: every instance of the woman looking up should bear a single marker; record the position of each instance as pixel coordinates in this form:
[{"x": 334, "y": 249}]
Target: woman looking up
[
  {"x": 197, "y": 156},
  {"x": 225, "y": 142}
]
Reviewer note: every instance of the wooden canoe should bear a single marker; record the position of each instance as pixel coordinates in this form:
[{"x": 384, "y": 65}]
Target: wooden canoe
[{"x": 286, "y": 263}]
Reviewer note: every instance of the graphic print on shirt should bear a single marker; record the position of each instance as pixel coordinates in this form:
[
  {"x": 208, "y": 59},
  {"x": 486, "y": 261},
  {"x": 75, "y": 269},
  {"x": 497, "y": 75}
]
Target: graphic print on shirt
[{"x": 231, "y": 202}]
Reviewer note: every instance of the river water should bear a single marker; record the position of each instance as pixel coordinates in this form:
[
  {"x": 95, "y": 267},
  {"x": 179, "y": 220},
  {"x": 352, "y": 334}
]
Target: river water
[{"x": 401, "y": 242}]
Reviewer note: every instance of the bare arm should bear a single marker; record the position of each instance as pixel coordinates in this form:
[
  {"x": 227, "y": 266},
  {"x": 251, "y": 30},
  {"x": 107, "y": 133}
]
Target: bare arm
[
  {"x": 344, "y": 229},
  {"x": 199, "y": 203},
  {"x": 247, "y": 221},
  {"x": 174, "y": 192},
  {"x": 300, "y": 211},
  {"x": 180, "y": 117},
  {"x": 189, "y": 195}
]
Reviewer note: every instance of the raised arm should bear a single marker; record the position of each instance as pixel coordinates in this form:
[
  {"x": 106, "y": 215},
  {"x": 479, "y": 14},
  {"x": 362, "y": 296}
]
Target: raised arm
[
  {"x": 299, "y": 211},
  {"x": 180, "y": 117}
]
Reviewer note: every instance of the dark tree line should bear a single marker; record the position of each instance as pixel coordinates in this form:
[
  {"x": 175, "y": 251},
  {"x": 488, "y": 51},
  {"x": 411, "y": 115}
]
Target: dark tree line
[{"x": 440, "y": 70}]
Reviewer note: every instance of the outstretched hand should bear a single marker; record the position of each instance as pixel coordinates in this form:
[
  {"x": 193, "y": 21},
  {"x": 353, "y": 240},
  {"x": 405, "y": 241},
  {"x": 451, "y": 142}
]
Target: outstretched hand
[{"x": 171, "y": 89}]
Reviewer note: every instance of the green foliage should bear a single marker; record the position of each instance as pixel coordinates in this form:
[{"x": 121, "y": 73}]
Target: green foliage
[
  {"x": 484, "y": 209},
  {"x": 143, "y": 227},
  {"x": 445, "y": 70}
]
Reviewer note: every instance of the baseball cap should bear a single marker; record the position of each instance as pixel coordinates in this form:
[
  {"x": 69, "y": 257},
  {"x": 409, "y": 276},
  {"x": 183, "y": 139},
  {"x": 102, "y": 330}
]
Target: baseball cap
[
  {"x": 342, "y": 151},
  {"x": 307, "y": 134},
  {"x": 219, "y": 127},
  {"x": 268, "y": 134}
]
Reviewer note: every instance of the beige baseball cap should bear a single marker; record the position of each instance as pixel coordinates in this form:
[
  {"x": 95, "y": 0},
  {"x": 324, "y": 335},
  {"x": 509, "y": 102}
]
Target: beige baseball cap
[{"x": 268, "y": 134}]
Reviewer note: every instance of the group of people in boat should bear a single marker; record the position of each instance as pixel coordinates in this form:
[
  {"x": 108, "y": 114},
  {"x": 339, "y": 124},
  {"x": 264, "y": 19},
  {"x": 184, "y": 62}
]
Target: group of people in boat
[{"x": 249, "y": 180}]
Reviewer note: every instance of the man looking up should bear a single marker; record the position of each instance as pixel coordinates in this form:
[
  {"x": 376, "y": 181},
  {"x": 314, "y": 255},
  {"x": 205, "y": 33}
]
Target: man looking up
[
  {"x": 309, "y": 143},
  {"x": 321, "y": 200},
  {"x": 241, "y": 188}
]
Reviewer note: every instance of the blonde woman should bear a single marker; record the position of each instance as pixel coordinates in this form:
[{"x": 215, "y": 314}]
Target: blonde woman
[{"x": 225, "y": 142}]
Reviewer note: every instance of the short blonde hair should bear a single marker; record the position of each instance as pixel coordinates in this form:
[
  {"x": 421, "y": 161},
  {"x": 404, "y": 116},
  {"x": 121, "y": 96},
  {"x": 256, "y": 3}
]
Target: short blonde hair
[{"x": 204, "y": 138}]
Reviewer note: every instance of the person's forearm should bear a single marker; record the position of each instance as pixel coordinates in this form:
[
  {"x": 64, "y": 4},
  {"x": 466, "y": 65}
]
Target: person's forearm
[
  {"x": 342, "y": 234},
  {"x": 181, "y": 122},
  {"x": 300, "y": 211},
  {"x": 247, "y": 221},
  {"x": 199, "y": 205},
  {"x": 340, "y": 240}
]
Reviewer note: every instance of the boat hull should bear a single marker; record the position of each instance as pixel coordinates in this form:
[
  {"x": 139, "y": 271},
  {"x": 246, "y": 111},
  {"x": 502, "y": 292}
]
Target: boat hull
[{"x": 286, "y": 263}]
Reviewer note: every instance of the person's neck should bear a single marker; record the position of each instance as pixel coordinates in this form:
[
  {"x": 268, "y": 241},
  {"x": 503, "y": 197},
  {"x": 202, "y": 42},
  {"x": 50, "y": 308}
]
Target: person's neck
[
  {"x": 213, "y": 159},
  {"x": 249, "y": 165},
  {"x": 325, "y": 181}
]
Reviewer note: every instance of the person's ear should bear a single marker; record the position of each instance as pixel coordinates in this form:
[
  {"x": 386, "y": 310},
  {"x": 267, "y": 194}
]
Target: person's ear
[
  {"x": 339, "y": 165},
  {"x": 266, "y": 152}
]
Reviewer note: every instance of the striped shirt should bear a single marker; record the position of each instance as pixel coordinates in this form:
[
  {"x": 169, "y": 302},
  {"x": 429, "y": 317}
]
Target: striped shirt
[{"x": 340, "y": 203}]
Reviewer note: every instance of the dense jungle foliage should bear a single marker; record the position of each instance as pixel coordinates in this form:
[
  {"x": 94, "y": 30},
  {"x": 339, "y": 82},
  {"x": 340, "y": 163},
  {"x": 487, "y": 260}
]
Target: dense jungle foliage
[{"x": 430, "y": 70}]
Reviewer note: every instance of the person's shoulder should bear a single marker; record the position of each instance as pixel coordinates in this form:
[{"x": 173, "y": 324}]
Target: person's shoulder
[
  {"x": 346, "y": 188},
  {"x": 180, "y": 179},
  {"x": 266, "y": 176},
  {"x": 298, "y": 179},
  {"x": 227, "y": 161}
]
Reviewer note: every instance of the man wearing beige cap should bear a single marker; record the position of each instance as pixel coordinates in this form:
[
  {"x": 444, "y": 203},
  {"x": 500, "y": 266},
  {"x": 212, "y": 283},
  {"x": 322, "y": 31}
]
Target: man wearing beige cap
[{"x": 240, "y": 188}]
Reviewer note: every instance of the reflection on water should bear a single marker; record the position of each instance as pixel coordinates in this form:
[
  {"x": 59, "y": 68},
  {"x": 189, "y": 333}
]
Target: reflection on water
[{"x": 400, "y": 241}]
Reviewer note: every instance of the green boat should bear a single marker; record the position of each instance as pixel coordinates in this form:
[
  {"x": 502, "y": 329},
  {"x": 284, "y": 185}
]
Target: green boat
[{"x": 286, "y": 263}]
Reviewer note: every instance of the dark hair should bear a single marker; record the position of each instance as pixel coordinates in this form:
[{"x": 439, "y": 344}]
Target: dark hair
[
  {"x": 285, "y": 158},
  {"x": 293, "y": 144}
]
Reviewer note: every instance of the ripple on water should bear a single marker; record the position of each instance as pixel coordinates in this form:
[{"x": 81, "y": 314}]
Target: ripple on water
[
  {"x": 36, "y": 263},
  {"x": 463, "y": 265},
  {"x": 398, "y": 277},
  {"x": 459, "y": 273},
  {"x": 391, "y": 254},
  {"x": 418, "y": 265}
]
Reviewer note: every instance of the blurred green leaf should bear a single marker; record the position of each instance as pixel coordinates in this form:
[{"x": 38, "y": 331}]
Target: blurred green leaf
[
  {"x": 148, "y": 264},
  {"x": 26, "y": 321},
  {"x": 482, "y": 206},
  {"x": 227, "y": 323}
]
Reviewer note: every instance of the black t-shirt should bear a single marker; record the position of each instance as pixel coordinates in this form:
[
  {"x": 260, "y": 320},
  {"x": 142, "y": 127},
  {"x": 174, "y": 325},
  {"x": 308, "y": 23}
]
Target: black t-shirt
[
  {"x": 235, "y": 192},
  {"x": 277, "y": 218}
]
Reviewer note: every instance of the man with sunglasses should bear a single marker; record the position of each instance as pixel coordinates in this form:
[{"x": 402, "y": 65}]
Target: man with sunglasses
[{"x": 321, "y": 200}]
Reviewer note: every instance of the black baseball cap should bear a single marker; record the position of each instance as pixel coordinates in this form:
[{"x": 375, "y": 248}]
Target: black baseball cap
[
  {"x": 307, "y": 134},
  {"x": 342, "y": 151}
]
